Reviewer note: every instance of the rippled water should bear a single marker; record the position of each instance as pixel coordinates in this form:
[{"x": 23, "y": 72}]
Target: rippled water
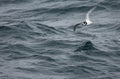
[{"x": 37, "y": 40}]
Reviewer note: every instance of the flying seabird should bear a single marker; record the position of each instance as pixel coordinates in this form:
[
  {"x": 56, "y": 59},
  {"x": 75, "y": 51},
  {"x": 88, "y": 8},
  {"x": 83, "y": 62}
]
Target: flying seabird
[{"x": 87, "y": 20}]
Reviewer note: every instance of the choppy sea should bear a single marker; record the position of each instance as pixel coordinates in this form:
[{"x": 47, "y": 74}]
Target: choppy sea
[{"x": 37, "y": 40}]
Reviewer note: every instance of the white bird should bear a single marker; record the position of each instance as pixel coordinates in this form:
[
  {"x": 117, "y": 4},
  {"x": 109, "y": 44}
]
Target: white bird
[{"x": 87, "y": 19}]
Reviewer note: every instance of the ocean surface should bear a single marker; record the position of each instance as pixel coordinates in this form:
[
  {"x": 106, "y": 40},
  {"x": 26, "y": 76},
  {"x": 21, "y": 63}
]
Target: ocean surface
[{"x": 37, "y": 40}]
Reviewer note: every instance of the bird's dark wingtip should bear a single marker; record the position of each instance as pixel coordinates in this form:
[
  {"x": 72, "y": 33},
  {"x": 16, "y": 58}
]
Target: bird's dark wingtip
[{"x": 74, "y": 28}]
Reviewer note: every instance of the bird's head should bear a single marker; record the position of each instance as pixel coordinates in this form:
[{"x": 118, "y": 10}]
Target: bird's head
[{"x": 84, "y": 23}]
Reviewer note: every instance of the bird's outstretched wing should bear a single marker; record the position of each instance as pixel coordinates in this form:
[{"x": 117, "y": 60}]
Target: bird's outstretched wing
[
  {"x": 88, "y": 15},
  {"x": 76, "y": 26}
]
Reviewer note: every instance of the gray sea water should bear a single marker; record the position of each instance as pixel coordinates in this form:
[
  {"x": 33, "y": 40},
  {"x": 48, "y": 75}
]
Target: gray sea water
[{"x": 37, "y": 40}]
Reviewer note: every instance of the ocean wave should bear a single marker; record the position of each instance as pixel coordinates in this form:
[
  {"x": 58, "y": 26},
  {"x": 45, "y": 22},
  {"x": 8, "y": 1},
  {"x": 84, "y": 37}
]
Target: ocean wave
[
  {"x": 3, "y": 2},
  {"x": 37, "y": 39}
]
